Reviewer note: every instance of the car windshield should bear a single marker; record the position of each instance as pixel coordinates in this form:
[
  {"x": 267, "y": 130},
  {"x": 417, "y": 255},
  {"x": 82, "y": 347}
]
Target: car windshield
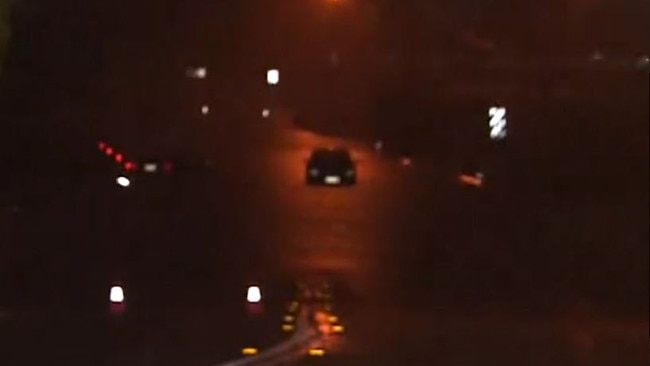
[
  {"x": 331, "y": 182},
  {"x": 331, "y": 157}
]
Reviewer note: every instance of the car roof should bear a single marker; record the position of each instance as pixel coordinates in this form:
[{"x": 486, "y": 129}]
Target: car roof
[{"x": 323, "y": 151}]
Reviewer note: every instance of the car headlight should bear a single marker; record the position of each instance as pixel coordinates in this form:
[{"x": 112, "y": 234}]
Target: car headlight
[{"x": 313, "y": 172}]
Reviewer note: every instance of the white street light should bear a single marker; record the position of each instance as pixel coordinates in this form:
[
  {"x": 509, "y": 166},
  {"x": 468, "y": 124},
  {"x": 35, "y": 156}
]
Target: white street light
[
  {"x": 123, "y": 181},
  {"x": 497, "y": 123},
  {"x": 273, "y": 77},
  {"x": 117, "y": 294},
  {"x": 205, "y": 109},
  {"x": 253, "y": 294},
  {"x": 266, "y": 113}
]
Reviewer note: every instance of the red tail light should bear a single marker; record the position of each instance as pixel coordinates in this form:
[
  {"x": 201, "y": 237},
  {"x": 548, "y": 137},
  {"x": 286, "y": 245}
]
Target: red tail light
[
  {"x": 109, "y": 151},
  {"x": 129, "y": 165},
  {"x": 119, "y": 158},
  {"x": 101, "y": 145}
]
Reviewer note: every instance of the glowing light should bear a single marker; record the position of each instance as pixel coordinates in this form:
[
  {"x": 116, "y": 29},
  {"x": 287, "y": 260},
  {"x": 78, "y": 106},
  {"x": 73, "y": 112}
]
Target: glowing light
[
  {"x": 116, "y": 294},
  {"x": 287, "y": 327},
  {"x": 289, "y": 318},
  {"x": 318, "y": 352},
  {"x": 129, "y": 165},
  {"x": 266, "y": 113},
  {"x": 200, "y": 72},
  {"x": 109, "y": 151},
  {"x": 333, "y": 319},
  {"x": 119, "y": 158},
  {"x": 332, "y": 179},
  {"x": 123, "y": 181},
  {"x": 249, "y": 351},
  {"x": 253, "y": 294},
  {"x": 101, "y": 145},
  {"x": 338, "y": 329},
  {"x": 406, "y": 161},
  {"x": 273, "y": 77},
  {"x": 476, "y": 180},
  {"x": 205, "y": 109},
  {"x": 497, "y": 123},
  {"x": 150, "y": 167}
]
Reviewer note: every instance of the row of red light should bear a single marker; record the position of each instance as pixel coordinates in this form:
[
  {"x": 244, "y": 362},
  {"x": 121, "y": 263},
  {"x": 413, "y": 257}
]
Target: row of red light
[{"x": 118, "y": 157}]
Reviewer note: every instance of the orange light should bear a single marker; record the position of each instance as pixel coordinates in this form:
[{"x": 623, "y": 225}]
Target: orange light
[
  {"x": 325, "y": 328},
  {"x": 287, "y": 327},
  {"x": 470, "y": 180},
  {"x": 316, "y": 352}
]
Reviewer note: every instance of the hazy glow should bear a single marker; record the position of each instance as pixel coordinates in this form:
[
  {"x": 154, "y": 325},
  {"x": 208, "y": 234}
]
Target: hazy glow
[
  {"x": 378, "y": 145},
  {"x": 116, "y": 294},
  {"x": 200, "y": 72},
  {"x": 273, "y": 77},
  {"x": 266, "y": 113},
  {"x": 253, "y": 294},
  {"x": 205, "y": 109},
  {"x": 150, "y": 167},
  {"x": 109, "y": 151},
  {"x": 123, "y": 181},
  {"x": 287, "y": 327},
  {"x": 119, "y": 158}
]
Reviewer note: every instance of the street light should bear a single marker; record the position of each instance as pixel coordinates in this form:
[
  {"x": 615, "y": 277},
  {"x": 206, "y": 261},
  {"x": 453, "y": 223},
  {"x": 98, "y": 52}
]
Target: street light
[
  {"x": 123, "y": 181},
  {"x": 205, "y": 109},
  {"x": 273, "y": 76},
  {"x": 497, "y": 123},
  {"x": 116, "y": 295},
  {"x": 253, "y": 294}
]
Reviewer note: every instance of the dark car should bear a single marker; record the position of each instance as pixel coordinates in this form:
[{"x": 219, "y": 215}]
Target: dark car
[{"x": 331, "y": 167}]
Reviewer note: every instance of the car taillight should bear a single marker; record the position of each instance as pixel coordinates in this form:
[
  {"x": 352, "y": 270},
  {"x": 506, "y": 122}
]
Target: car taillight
[
  {"x": 101, "y": 145},
  {"x": 129, "y": 165},
  {"x": 119, "y": 158},
  {"x": 109, "y": 151}
]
